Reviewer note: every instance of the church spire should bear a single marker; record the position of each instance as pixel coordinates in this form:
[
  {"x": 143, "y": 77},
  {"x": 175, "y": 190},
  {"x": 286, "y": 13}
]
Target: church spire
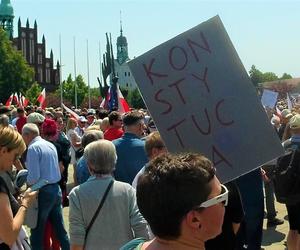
[
  {"x": 121, "y": 29},
  {"x": 122, "y": 45},
  {"x": 7, "y": 17}
]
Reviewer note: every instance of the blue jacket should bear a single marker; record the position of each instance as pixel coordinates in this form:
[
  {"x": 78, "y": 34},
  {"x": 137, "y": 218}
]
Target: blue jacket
[{"x": 131, "y": 157}]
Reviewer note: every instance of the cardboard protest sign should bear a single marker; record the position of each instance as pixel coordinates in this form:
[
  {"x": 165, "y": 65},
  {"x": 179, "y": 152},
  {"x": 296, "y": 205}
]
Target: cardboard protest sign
[
  {"x": 202, "y": 100},
  {"x": 269, "y": 98}
]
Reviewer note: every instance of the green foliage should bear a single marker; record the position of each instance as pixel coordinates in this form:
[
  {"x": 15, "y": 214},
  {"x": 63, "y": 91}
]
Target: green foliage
[
  {"x": 269, "y": 76},
  {"x": 286, "y": 76},
  {"x": 135, "y": 99},
  {"x": 69, "y": 90},
  {"x": 95, "y": 92},
  {"x": 15, "y": 74},
  {"x": 33, "y": 92},
  {"x": 255, "y": 75},
  {"x": 259, "y": 77},
  {"x": 124, "y": 92}
]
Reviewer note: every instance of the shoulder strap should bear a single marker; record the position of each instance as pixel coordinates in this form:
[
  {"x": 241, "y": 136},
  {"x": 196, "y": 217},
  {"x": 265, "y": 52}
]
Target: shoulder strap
[{"x": 97, "y": 211}]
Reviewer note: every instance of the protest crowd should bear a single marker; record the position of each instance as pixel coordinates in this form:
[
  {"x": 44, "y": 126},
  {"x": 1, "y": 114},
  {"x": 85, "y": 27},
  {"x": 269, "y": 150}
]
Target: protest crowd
[{"x": 127, "y": 191}]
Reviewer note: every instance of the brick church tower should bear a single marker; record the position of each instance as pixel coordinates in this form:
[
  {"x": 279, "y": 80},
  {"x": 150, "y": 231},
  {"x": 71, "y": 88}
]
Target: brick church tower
[{"x": 33, "y": 51}]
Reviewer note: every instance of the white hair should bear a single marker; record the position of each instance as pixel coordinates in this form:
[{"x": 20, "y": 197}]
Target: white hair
[
  {"x": 30, "y": 128},
  {"x": 101, "y": 156}
]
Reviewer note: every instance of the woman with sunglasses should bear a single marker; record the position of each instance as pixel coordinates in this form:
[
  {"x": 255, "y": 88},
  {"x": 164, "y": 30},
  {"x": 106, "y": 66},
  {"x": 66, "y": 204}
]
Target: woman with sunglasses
[
  {"x": 183, "y": 202},
  {"x": 12, "y": 213}
]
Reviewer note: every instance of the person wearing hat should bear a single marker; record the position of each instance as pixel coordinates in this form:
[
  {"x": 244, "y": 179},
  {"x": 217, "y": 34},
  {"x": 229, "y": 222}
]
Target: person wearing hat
[
  {"x": 293, "y": 239},
  {"x": 81, "y": 126},
  {"x": 91, "y": 117},
  {"x": 37, "y": 119},
  {"x": 285, "y": 117}
]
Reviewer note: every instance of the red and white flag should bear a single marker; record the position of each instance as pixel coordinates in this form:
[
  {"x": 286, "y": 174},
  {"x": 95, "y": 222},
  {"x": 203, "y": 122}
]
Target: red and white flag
[
  {"x": 24, "y": 101},
  {"x": 42, "y": 99},
  {"x": 105, "y": 100},
  {"x": 16, "y": 99},
  {"x": 20, "y": 100},
  {"x": 71, "y": 112},
  {"x": 278, "y": 112},
  {"x": 122, "y": 104},
  {"x": 9, "y": 100}
]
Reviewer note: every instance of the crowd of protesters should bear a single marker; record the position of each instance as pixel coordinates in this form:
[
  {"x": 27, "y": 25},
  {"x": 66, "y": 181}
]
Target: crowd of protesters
[{"x": 129, "y": 192}]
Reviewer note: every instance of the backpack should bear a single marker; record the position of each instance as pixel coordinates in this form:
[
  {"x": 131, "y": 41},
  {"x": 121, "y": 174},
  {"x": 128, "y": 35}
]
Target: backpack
[{"x": 286, "y": 177}]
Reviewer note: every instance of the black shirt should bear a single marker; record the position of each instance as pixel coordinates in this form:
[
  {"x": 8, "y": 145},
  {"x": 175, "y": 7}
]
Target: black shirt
[
  {"x": 234, "y": 213},
  {"x": 13, "y": 204}
]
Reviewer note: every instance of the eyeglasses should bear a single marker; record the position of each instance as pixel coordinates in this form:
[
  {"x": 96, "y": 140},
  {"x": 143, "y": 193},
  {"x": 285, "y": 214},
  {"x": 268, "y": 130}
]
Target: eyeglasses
[{"x": 223, "y": 197}]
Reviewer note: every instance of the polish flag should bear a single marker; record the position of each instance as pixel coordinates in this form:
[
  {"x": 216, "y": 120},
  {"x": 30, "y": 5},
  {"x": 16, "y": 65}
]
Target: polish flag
[
  {"x": 24, "y": 101},
  {"x": 42, "y": 99},
  {"x": 122, "y": 104},
  {"x": 16, "y": 98},
  {"x": 278, "y": 112},
  {"x": 105, "y": 101},
  {"x": 20, "y": 100},
  {"x": 9, "y": 100},
  {"x": 71, "y": 112}
]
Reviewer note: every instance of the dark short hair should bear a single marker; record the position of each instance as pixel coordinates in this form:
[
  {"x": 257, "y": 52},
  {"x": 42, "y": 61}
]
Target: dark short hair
[
  {"x": 20, "y": 110},
  {"x": 114, "y": 116},
  {"x": 132, "y": 118},
  {"x": 102, "y": 113},
  {"x": 170, "y": 187}
]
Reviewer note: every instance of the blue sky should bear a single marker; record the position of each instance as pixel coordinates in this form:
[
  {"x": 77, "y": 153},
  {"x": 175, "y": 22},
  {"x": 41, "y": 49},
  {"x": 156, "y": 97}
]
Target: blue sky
[{"x": 264, "y": 33}]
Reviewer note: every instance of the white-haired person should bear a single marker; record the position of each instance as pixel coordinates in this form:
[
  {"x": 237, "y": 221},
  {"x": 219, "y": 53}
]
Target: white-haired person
[{"x": 118, "y": 219}]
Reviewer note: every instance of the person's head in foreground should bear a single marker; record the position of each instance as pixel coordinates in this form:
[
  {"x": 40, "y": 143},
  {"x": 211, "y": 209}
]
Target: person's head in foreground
[
  {"x": 12, "y": 147},
  {"x": 182, "y": 200}
]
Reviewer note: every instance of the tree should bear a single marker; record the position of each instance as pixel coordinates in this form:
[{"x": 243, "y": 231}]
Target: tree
[
  {"x": 82, "y": 90},
  {"x": 255, "y": 75},
  {"x": 135, "y": 99},
  {"x": 69, "y": 90},
  {"x": 269, "y": 77},
  {"x": 258, "y": 77},
  {"x": 286, "y": 76},
  {"x": 33, "y": 92},
  {"x": 15, "y": 74}
]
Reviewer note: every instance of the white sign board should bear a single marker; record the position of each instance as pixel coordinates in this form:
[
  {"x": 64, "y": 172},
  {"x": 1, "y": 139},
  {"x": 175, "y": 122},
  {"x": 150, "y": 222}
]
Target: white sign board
[
  {"x": 202, "y": 100},
  {"x": 269, "y": 98}
]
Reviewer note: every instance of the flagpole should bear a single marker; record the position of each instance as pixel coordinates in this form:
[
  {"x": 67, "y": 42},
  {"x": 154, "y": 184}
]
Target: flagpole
[
  {"x": 100, "y": 56},
  {"x": 88, "y": 71},
  {"x": 60, "y": 73},
  {"x": 75, "y": 82}
]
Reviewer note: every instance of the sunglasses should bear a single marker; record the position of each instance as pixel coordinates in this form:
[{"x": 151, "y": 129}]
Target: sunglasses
[{"x": 221, "y": 198}]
